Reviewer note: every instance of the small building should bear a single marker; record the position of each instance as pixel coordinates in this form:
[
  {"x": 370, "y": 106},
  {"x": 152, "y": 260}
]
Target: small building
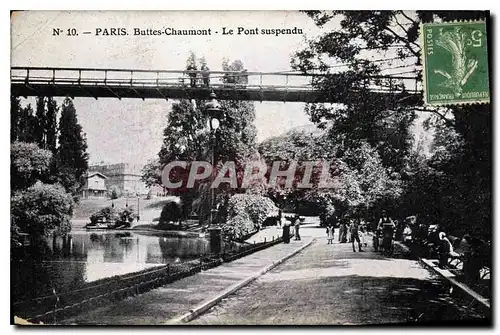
[
  {"x": 95, "y": 185},
  {"x": 123, "y": 177}
]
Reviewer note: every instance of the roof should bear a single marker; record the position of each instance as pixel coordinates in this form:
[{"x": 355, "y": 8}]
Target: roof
[{"x": 91, "y": 174}]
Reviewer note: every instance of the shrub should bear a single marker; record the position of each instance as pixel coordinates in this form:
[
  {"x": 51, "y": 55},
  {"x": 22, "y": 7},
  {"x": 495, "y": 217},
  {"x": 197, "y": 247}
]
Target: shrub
[
  {"x": 126, "y": 216},
  {"x": 106, "y": 214},
  {"x": 42, "y": 209},
  {"x": 29, "y": 163},
  {"x": 115, "y": 193},
  {"x": 246, "y": 214},
  {"x": 171, "y": 212}
]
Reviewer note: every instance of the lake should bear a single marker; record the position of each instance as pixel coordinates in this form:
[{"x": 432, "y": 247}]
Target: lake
[{"x": 66, "y": 263}]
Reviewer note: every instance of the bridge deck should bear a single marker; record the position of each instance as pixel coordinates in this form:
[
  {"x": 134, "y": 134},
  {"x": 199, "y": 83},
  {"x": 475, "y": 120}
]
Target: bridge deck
[{"x": 165, "y": 92}]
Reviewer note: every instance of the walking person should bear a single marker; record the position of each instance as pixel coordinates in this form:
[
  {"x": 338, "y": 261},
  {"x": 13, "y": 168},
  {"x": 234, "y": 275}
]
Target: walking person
[
  {"x": 362, "y": 234},
  {"x": 297, "y": 228},
  {"x": 330, "y": 232},
  {"x": 354, "y": 230},
  {"x": 343, "y": 232},
  {"x": 387, "y": 227}
]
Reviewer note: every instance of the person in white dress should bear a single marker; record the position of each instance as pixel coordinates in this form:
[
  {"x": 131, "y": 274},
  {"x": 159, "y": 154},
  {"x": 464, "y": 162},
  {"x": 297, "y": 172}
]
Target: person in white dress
[{"x": 330, "y": 231}]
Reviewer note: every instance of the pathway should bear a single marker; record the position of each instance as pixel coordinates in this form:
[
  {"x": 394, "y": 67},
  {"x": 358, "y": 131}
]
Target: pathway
[{"x": 331, "y": 285}]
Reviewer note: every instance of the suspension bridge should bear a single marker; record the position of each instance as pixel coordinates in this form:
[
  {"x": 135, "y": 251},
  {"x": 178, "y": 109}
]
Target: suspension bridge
[{"x": 173, "y": 84}]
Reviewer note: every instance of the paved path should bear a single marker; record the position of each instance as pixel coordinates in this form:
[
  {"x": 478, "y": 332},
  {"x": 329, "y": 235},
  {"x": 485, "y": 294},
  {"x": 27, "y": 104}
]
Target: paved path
[
  {"x": 160, "y": 305},
  {"x": 331, "y": 285}
]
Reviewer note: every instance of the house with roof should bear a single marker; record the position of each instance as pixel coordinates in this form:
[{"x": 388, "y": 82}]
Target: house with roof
[
  {"x": 123, "y": 177},
  {"x": 95, "y": 185}
]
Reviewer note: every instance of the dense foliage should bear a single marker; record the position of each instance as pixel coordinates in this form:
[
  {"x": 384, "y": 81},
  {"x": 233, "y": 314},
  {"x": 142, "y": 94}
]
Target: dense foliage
[
  {"x": 64, "y": 139},
  {"x": 246, "y": 213},
  {"x": 104, "y": 215},
  {"x": 126, "y": 216},
  {"x": 360, "y": 50},
  {"x": 171, "y": 213},
  {"x": 110, "y": 215},
  {"x": 48, "y": 162},
  {"x": 41, "y": 209},
  {"x": 29, "y": 164},
  {"x": 362, "y": 182}
]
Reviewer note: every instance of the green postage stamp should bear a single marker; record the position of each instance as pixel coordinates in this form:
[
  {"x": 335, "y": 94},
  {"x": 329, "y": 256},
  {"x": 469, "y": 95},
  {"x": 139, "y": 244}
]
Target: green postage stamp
[{"x": 455, "y": 61}]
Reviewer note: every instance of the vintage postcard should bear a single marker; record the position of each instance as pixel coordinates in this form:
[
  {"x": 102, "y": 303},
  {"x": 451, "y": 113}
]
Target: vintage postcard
[{"x": 251, "y": 168}]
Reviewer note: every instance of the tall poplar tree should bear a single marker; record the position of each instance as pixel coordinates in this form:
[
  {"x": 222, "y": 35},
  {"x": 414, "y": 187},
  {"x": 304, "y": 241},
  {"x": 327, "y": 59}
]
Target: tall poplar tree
[
  {"x": 40, "y": 128},
  {"x": 72, "y": 158},
  {"x": 15, "y": 111},
  {"x": 51, "y": 124}
]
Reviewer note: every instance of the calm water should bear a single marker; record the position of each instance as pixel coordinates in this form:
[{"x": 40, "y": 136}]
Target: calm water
[{"x": 82, "y": 257}]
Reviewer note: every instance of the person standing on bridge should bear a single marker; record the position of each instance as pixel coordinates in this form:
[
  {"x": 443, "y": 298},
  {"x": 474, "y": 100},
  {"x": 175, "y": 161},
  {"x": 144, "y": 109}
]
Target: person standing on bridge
[
  {"x": 205, "y": 73},
  {"x": 191, "y": 68}
]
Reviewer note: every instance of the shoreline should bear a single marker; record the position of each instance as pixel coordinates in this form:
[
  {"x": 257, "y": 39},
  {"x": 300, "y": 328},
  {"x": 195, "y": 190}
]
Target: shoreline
[{"x": 171, "y": 233}]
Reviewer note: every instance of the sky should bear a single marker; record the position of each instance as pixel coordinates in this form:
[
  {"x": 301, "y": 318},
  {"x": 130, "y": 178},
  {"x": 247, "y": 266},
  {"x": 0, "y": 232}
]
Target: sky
[{"x": 131, "y": 130}]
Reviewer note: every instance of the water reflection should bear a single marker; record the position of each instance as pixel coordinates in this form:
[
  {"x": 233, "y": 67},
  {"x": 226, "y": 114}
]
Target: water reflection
[{"x": 69, "y": 262}]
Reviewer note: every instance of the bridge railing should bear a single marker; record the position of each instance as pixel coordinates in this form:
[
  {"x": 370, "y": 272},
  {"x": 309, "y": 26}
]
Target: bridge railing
[{"x": 158, "y": 78}]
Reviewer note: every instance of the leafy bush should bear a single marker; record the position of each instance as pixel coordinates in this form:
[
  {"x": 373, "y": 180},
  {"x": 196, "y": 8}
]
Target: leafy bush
[
  {"x": 42, "y": 209},
  {"x": 115, "y": 193},
  {"x": 29, "y": 163},
  {"x": 106, "y": 214},
  {"x": 171, "y": 212},
  {"x": 126, "y": 216},
  {"x": 246, "y": 214}
]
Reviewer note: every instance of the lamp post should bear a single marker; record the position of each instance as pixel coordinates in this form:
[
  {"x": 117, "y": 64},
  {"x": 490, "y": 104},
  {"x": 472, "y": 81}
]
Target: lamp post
[
  {"x": 138, "y": 208},
  {"x": 214, "y": 112}
]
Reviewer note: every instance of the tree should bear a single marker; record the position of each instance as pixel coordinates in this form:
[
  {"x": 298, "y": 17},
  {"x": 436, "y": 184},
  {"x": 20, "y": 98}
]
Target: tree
[
  {"x": 42, "y": 209},
  {"x": 151, "y": 173},
  {"x": 72, "y": 158},
  {"x": 29, "y": 164},
  {"x": 26, "y": 125},
  {"x": 40, "y": 133},
  {"x": 366, "y": 48},
  {"x": 51, "y": 124},
  {"x": 171, "y": 213},
  {"x": 115, "y": 192},
  {"x": 362, "y": 182},
  {"x": 235, "y": 66},
  {"x": 15, "y": 111}
]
